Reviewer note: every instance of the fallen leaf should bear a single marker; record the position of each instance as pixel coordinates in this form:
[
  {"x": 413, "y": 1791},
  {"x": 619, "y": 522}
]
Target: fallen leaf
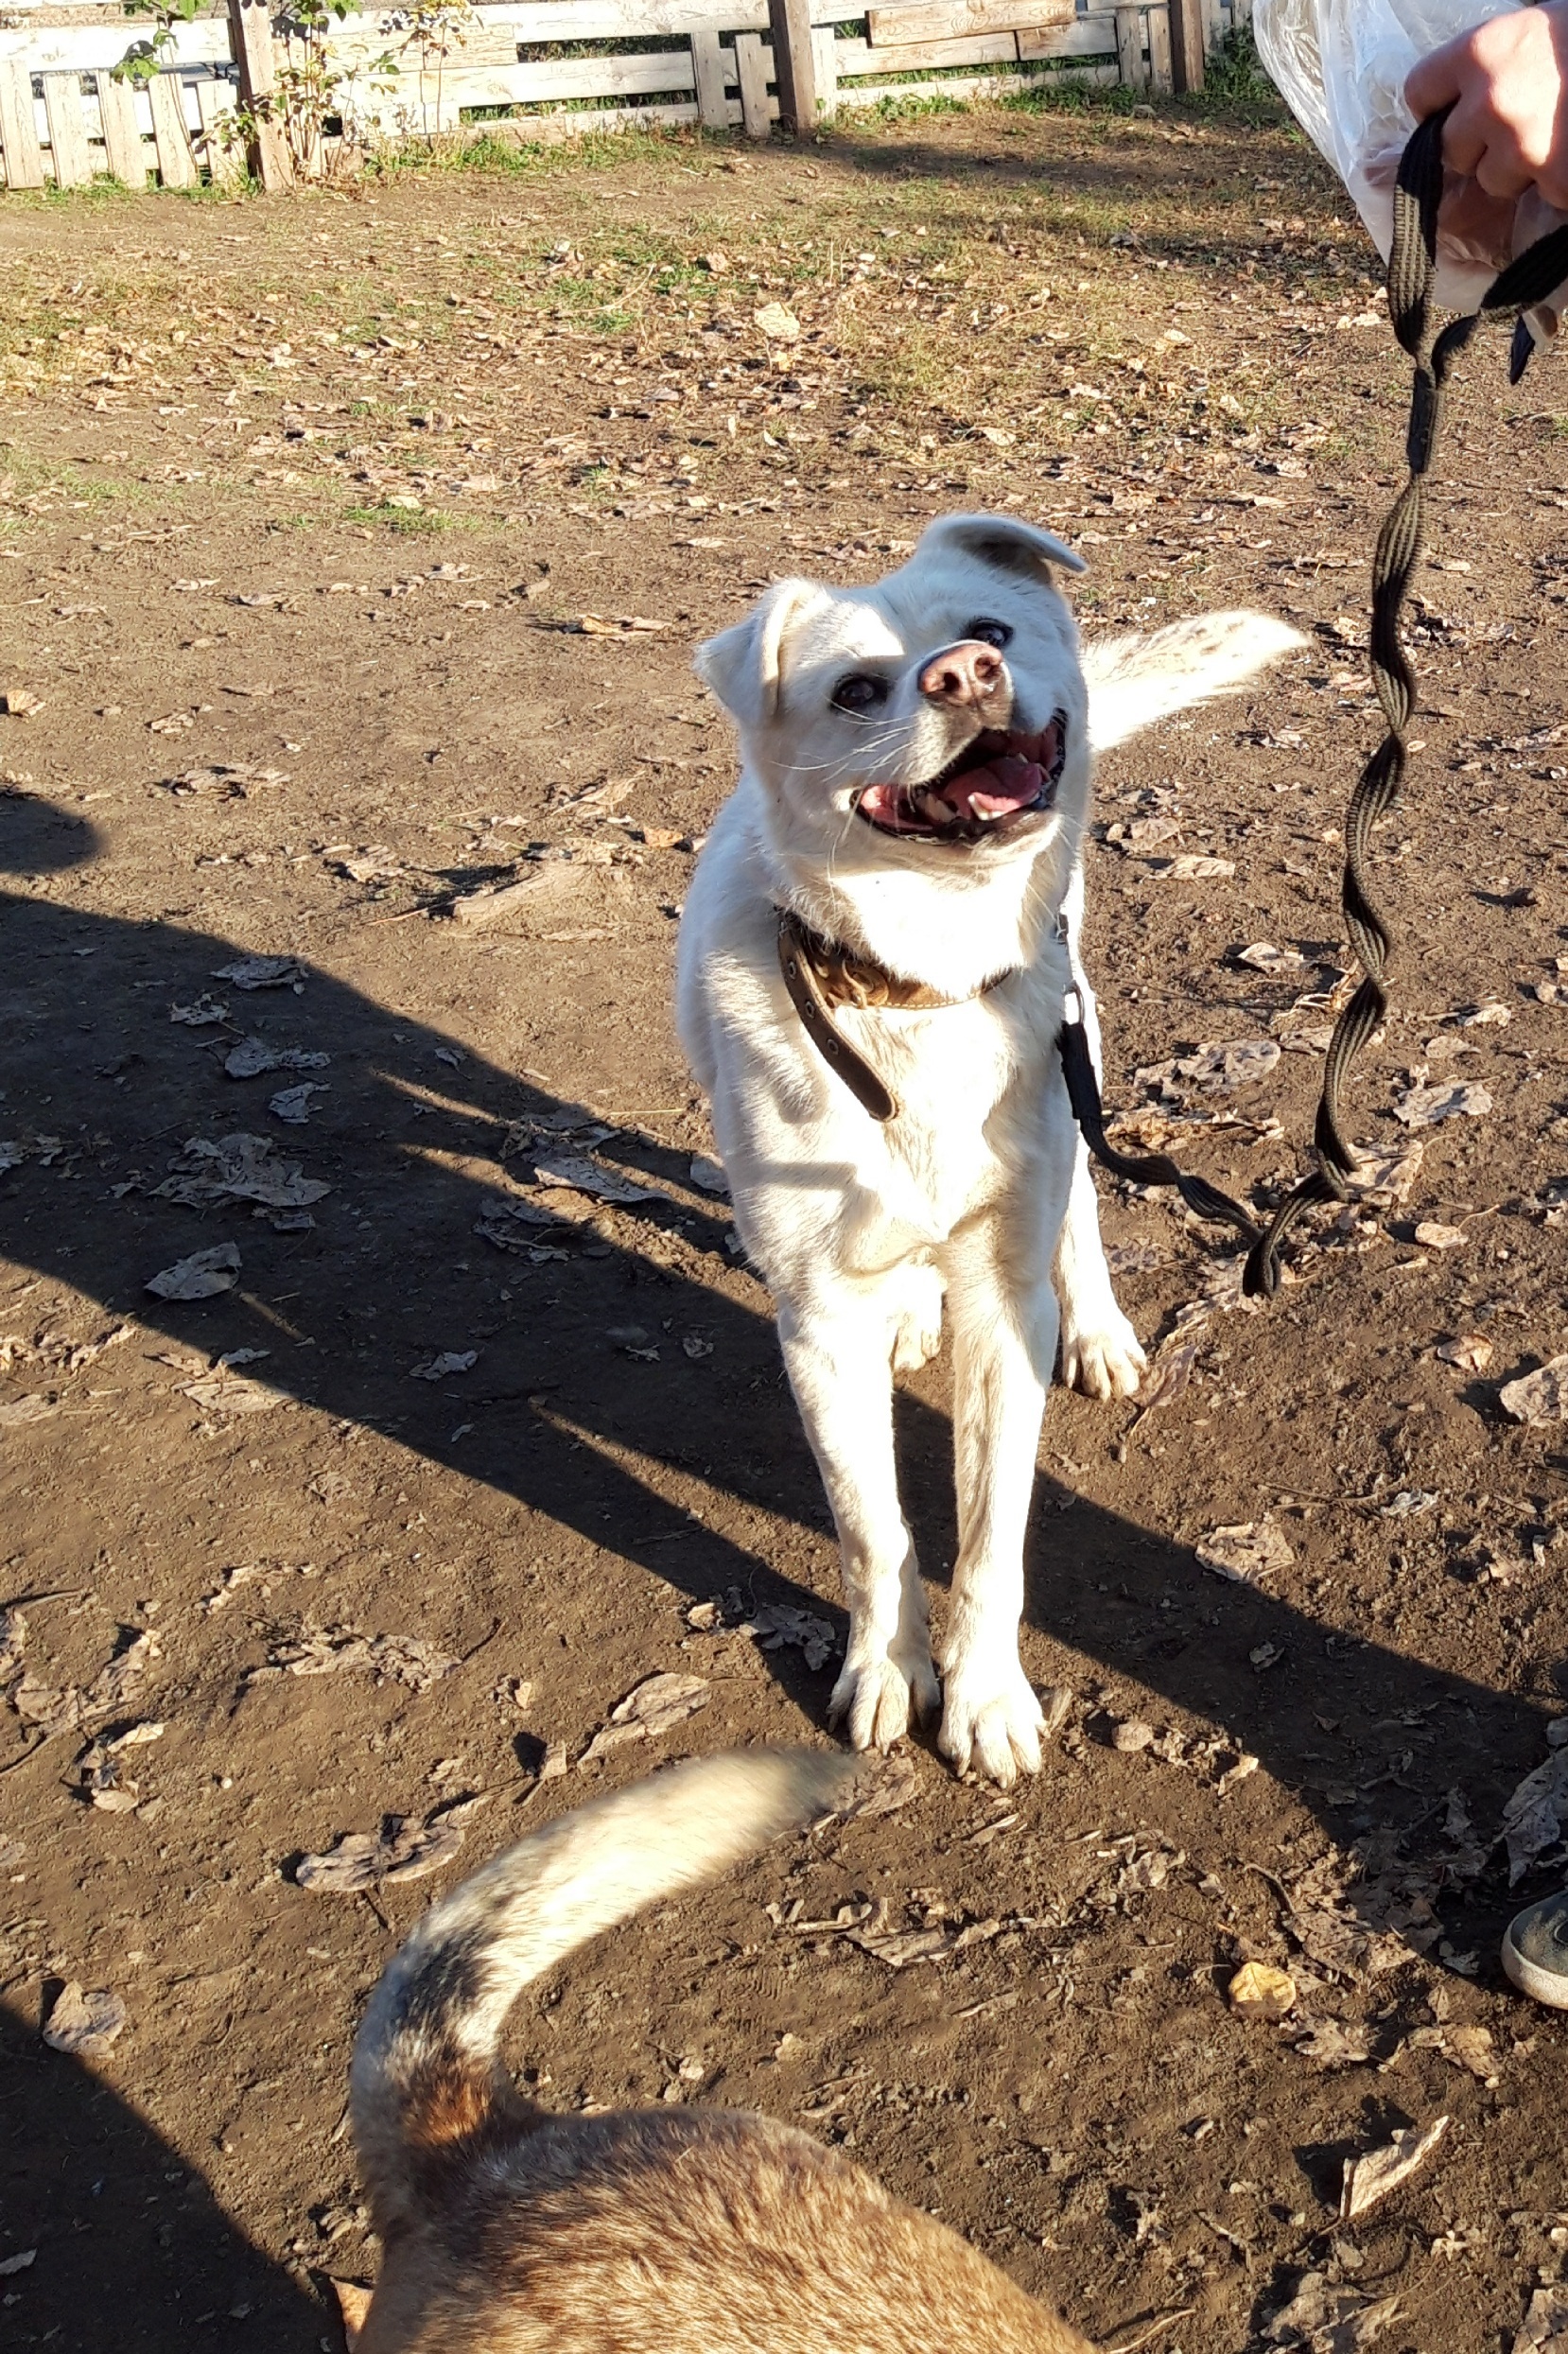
[
  {"x": 1134, "y": 1258},
  {"x": 84, "y": 2023},
  {"x": 776, "y": 1625},
  {"x": 1406, "y": 1502},
  {"x": 34, "y": 1407},
  {"x": 1471, "y": 1352},
  {"x": 202, "y": 1276},
  {"x": 292, "y": 1104},
  {"x": 251, "y": 1057},
  {"x": 1324, "y": 2319},
  {"x": 1214, "y": 1066},
  {"x": 449, "y": 1361},
  {"x": 262, "y": 972},
  {"x": 888, "y": 1784},
  {"x": 1370, "y": 2179},
  {"x": 329, "y": 1651},
  {"x": 1433, "y": 1235},
  {"x": 226, "y": 781},
  {"x": 779, "y": 324},
  {"x": 19, "y": 704},
  {"x": 1264, "y": 957},
  {"x": 1332, "y": 2045},
  {"x": 655, "y": 1707},
  {"x": 1424, "y": 1107},
  {"x": 1534, "y": 1816},
  {"x": 1492, "y": 1013},
  {"x": 238, "y": 1168},
  {"x": 1538, "y": 1397},
  {"x": 1471, "y": 2048},
  {"x": 401, "y": 1850},
  {"x": 1191, "y": 867},
  {"x": 1259, "y": 1991},
  {"x": 586, "y": 1176},
  {"x": 1246, "y": 1552},
  {"x": 11, "y": 2265},
  {"x": 223, "y": 1395},
  {"x": 1544, "y": 2329},
  {"x": 353, "y": 2306},
  {"x": 616, "y": 625},
  {"x": 202, "y": 1014}
]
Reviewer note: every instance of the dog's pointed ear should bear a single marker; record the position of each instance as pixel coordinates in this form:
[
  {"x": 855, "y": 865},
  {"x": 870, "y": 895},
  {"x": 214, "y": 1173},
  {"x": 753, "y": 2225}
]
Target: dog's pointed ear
[
  {"x": 1133, "y": 681},
  {"x": 741, "y": 665},
  {"x": 1002, "y": 540}
]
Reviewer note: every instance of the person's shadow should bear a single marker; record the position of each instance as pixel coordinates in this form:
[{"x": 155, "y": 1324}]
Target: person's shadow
[{"x": 559, "y": 1413}]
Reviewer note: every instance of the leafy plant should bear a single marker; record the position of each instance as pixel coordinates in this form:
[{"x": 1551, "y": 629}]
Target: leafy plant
[{"x": 143, "y": 61}]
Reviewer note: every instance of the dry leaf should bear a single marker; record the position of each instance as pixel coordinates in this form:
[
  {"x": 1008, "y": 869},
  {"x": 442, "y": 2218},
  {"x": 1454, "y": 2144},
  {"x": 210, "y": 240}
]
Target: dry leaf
[
  {"x": 22, "y": 2261},
  {"x": 34, "y": 1407},
  {"x": 707, "y": 1176},
  {"x": 1371, "y": 2179},
  {"x": 202, "y": 1014},
  {"x": 1538, "y": 1397},
  {"x": 586, "y": 1176},
  {"x": 224, "y": 1395},
  {"x": 292, "y": 1104},
  {"x": 1424, "y": 1106},
  {"x": 84, "y": 2024},
  {"x": 1533, "y": 1817},
  {"x": 1259, "y": 1991},
  {"x": 1332, "y": 2045},
  {"x": 617, "y": 625},
  {"x": 777, "y": 1624},
  {"x": 1191, "y": 867},
  {"x": 399, "y": 1851},
  {"x": 449, "y": 1361},
  {"x": 1433, "y": 1235},
  {"x": 1264, "y": 957},
  {"x": 353, "y": 2306},
  {"x": 1247, "y": 1552},
  {"x": 19, "y": 704},
  {"x": 1471, "y": 2048},
  {"x": 262, "y": 972},
  {"x": 656, "y": 1706},
  {"x": 329, "y": 1651},
  {"x": 1471, "y": 1352},
  {"x": 779, "y": 324},
  {"x": 251, "y": 1057},
  {"x": 202, "y": 1276},
  {"x": 1324, "y": 2319},
  {"x": 1544, "y": 2329},
  {"x": 1215, "y": 1066},
  {"x": 237, "y": 1168}
]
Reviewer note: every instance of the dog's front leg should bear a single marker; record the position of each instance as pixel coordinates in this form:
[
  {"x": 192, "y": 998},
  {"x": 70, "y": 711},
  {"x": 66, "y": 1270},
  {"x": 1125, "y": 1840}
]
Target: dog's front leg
[
  {"x": 1004, "y": 1325},
  {"x": 1100, "y": 1349},
  {"x": 838, "y": 1349}
]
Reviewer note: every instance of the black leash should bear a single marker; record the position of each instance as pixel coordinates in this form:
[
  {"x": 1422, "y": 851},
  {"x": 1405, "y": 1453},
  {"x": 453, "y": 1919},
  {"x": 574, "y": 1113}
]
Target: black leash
[{"x": 1412, "y": 269}]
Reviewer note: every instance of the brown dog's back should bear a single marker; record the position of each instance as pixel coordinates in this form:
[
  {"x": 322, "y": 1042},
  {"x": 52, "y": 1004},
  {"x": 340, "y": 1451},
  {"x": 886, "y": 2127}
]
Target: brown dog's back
[{"x": 694, "y": 2231}]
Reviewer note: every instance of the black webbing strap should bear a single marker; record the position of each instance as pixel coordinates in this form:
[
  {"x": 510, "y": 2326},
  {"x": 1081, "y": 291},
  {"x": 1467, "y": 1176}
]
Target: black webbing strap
[
  {"x": 1083, "y": 1089},
  {"x": 1412, "y": 268}
]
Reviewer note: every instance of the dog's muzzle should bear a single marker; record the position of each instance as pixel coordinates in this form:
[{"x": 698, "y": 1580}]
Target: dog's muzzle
[{"x": 1000, "y": 777}]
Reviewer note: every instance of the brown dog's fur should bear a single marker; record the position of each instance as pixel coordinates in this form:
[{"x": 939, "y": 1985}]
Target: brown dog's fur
[{"x": 506, "y": 2230}]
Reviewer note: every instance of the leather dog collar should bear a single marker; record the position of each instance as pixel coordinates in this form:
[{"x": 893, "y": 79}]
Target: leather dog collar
[{"x": 822, "y": 974}]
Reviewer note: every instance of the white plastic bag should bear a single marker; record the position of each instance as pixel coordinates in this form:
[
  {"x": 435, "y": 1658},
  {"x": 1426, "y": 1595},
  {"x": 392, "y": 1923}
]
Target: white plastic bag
[{"x": 1340, "y": 66}]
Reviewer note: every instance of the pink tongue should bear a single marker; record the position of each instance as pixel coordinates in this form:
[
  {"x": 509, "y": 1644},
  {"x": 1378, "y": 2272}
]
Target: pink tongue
[{"x": 1009, "y": 783}]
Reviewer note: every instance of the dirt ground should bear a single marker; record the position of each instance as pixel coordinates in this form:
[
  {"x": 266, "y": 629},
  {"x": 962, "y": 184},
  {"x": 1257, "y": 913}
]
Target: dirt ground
[{"x": 306, "y": 502}]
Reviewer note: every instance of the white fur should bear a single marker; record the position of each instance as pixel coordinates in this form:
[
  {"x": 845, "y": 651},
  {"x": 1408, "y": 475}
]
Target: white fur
[{"x": 981, "y": 1185}]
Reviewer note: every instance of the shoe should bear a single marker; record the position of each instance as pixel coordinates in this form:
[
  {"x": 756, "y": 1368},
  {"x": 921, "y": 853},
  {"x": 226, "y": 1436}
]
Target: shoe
[{"x": 1535, "y": 1951}]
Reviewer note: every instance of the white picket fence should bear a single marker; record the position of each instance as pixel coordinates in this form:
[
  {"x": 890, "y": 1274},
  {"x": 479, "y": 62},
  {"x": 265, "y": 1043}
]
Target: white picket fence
[{"x": 66, "y": 119}]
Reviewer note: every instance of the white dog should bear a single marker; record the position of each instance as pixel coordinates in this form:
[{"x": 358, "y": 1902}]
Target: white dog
[{"x": 877, "y": 947}]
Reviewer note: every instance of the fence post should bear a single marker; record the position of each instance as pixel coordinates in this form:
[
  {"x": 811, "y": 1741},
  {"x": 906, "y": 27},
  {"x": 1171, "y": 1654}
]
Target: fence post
[
  {"x": 794, "y": 70},
  {"x": 1129, "y": 49},
  {"x": 1188, "y": 44},
  {"x": 1160, "y": 48},
  {"x": 251, "y": 38}
]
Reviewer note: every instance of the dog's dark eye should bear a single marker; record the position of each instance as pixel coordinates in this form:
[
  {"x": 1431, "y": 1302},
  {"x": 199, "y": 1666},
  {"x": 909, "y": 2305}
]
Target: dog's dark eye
[
  {"x": 861, "y": 691},
  {"x": 997, "y": 634}
]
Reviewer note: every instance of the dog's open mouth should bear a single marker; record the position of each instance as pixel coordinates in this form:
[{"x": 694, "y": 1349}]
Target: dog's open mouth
[{"x": 995, "y": 781}]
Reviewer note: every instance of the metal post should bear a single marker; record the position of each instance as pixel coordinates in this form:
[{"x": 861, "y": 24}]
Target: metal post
[{"x": 794, "y": 65}]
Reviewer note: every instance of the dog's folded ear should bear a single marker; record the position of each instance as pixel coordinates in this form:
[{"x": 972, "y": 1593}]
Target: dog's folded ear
[
  {"x": 1133, "y": 681},
  {"x": 742, "y": 665},
  {"x": 1002, "y": 540}
]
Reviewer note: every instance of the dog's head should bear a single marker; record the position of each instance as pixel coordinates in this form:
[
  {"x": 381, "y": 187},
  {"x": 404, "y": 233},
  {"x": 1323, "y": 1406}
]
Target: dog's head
[{"x": 939, "y": 715}]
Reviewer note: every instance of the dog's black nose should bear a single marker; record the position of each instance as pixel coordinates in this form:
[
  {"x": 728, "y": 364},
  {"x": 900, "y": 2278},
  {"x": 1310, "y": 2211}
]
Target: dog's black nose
[{"x": 967, "y": 674}]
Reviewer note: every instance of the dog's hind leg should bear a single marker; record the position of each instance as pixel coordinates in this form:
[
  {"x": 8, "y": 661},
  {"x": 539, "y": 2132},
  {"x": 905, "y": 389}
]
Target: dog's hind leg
[
  {"x": 1100, "y": 1349},
  {"x": 1005, "y": 1343},
  {"x": 838, "y": 1349}
]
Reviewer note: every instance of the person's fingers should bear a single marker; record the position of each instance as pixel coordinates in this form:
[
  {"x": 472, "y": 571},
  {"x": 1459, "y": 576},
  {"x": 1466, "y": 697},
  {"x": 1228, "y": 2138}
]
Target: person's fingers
[{"x": 1437, "y": 80}]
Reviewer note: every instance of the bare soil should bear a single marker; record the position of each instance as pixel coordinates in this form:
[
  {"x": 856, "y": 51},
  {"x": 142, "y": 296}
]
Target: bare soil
[{"x": 306, "y": 503}]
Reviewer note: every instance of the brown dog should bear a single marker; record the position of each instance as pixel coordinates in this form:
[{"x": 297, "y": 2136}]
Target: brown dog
[{"x": 506, "y": 2230}]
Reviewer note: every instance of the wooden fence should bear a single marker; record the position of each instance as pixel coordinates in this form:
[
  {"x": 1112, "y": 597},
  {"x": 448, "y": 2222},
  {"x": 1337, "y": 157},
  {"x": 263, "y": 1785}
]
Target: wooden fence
[{"x": 543, "y": 69}]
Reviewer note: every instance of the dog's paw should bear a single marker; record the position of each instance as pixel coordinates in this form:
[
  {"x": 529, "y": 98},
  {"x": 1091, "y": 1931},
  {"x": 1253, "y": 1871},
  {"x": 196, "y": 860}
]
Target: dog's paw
[
  {"x": 991, "y": 1722},
  {"x": 918, "y": 1337},
  {"x": 874, "y": 1699},
  {"x": 1102, "y": 1357}
]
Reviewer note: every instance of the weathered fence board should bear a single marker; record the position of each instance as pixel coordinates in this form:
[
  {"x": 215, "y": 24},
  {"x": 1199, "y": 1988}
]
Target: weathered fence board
[
  {"x": 70, "y": 155},
  {"x": 18, "y": 139},
  {"x": 124, "y": 158},
  {"x": 956, "y": 20}
]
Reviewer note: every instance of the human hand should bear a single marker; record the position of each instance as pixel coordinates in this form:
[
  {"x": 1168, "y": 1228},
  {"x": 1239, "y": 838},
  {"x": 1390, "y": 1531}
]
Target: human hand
[{"x": 1508, "y": 84}]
